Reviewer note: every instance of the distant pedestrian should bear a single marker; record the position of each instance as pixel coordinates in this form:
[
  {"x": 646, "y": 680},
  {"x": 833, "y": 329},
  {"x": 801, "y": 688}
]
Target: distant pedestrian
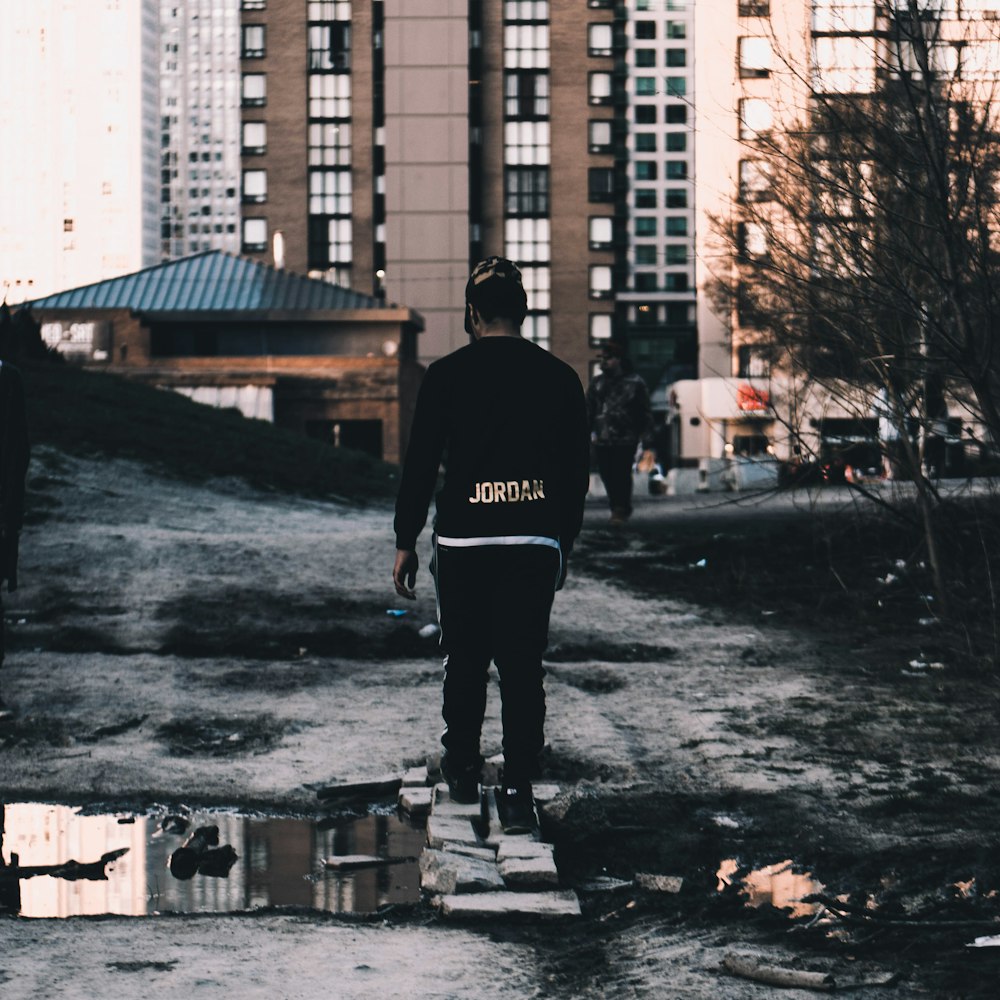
[
  {"x": 509, "y": 421},
  {"x": 620, "y": 418},
  {"x": 13, "y": 469}
]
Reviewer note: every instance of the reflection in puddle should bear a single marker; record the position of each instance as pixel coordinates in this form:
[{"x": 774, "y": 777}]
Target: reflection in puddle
[
  {"x": 775, "y": 884},
  {"x": 279, "y": 863}
]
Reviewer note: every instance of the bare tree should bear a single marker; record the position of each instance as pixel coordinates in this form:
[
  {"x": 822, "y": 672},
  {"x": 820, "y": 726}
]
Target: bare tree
[{"x": 865, "y": 240}]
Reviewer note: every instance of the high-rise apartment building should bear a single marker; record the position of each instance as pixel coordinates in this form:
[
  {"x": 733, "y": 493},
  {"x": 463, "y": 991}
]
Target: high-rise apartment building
[
  {"x": 78, "y": 194},
  {"x": 400, "y": 142},
  {"x": 200, "y": 136}
]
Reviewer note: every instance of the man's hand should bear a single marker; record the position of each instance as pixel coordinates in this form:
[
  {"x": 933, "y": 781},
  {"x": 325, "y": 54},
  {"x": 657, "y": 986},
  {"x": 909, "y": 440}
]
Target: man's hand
[{"x": 404, "y": 573}]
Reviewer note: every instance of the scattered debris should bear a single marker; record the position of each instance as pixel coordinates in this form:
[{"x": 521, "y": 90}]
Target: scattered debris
[
  {"x": 72, "y": 871},
  {"x": 352, "y": 793},
  {"x": 988, "y": 941},
  {"x": 396, "y": 612},
  {"x": 429, "y": 631},
  {"x": 116, "y": 729},
  {"x": 659, "y": 883},
  {"x": 201, "y": 855},
  {"x": 754, "y": 967}
]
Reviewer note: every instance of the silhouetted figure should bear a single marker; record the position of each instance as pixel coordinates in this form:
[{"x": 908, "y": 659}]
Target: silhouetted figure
[{"x": 14, "y": 453}]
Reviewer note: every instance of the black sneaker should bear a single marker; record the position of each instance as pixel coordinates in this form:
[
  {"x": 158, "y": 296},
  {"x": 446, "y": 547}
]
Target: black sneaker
[
  {"x": 516, "y": 808},
  {"x": 463, "y": 780}
]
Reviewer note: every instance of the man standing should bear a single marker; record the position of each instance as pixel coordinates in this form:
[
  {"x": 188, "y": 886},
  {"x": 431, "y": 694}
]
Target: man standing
[
  {"x": 509, "y": 422},
  {"x": 620, "y": 416},
  {"x": 13, "y": 469}
]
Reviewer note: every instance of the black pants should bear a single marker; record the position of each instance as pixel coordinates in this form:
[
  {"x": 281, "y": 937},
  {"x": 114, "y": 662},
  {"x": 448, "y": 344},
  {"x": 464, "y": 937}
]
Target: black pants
[
  {"x": 494, "y": 603},
  {"x": 614, "y": 463}
]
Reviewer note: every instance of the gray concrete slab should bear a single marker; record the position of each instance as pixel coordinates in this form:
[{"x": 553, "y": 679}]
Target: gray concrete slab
[
  {"x": 498, "y": 904},
  {"x": 448, "y": 873},
  {"x": 517, "y": 872},
  {"x": 443, "y": 830},
  {"x": 416, "y": 801}
]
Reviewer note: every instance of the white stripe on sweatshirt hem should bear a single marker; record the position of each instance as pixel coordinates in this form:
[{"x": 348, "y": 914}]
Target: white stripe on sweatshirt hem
[{"x": 464, "y": 543}]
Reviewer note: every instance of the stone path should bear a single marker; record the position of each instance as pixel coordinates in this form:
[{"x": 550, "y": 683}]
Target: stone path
[{"x": 471, "y": 867}]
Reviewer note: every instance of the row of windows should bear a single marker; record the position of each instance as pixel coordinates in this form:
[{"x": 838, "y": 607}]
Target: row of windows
[
  {"x": 601, "y": 283},
  {"x": 648, "y": 170},
  {"x": 600, "y": 229},
  {"x": 672, "y": 57},
  {"x": 673, "y": 198},
  {"x": 673, "y": 114},
  {"x": 650, "y": 86},
  {"x": 673, "y": 255}
]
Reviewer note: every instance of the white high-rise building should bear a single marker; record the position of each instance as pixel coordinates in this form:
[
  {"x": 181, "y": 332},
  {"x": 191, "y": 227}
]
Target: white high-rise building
[
  {"x": 79, "y": 199},
  {"x": 200, "y": 142}
]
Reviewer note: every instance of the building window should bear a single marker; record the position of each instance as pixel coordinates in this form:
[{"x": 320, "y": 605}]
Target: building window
[
  {"x": 253, "y": 45},
  {"x": 599, "y": 136},
  {"x": 600, "y": 229},
  {"x": 254, "y": 234},
  {"x": 645, "y": 86},
  {"x": 526, "y": 190},
  {"x": 330, "y": 192},
  {"x": 751, "y": 241},
  {"x": 599, "y": 40},
  {"x": 755, "y": 180},
  {"x": 645, "y": 29},
  {"x": 254, "y": 186},
  {"x": 537, "y": 287},
  {"x": 600, "y": 281},
  {"x": 329, "y": 10},
  {"x": 528, "y": 241},
  {"x": 645, "y": 114},
  {"x": 526, "y": 143},
  {"x": 676, "y": 57},
  {"x": 599, "y": 88},
  {"x": 676, "y": 86},
  {"x": 676, "y": 142},
  {"x": 755, "y": 117},
  {"x": 755, "y": 57},
  {"x": 645, "y": 282},
  {"x": 526, "y": 94},
  {"x": 645, "y": 142},
  {"x": 676, "y": 114},
  {"x": 329, "y": 243},
  {"x": 676, "y": 169},
  {"x": 645, "y": 255},
  {"x": 254, "y": 138},
  {"x": 330, "y": 47},
  {"x": 674, "y": 282},
  {"x": 753, "y": 8},
  {"x": 645, "y": 58},
  {"x": 676, "y": 198},
  {"x": 677, "y": 254},
  {"x": 645, "y": 198},
  {"x": 645, "y": 225},
  {"x": 329, "y": 144},
  {"x": 677, "y": 225},
  {"x": 253, "y": 4},
  {"x": 254, "y": 91},
  {"x": 526, "y": 46},
  {"x": 330, "y": 95},
  {"x": 676, "y": 29},
  {"x": 645, "y": 170},
  {"x": 751, "y": 362},
  {"x": 600, "y": 184},
  {"x": 600, "y": 328}
]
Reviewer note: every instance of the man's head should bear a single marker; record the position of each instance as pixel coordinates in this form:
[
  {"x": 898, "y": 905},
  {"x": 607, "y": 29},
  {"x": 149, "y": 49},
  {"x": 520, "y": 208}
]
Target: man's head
[
  {"x": 494, "y": 291},
  {"x": 612, "y": 356}
]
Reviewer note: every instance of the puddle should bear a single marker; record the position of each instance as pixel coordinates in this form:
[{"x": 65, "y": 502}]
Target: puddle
[
  {"x": 777, "y": 885},
  {"x": 122, "y": 862}
]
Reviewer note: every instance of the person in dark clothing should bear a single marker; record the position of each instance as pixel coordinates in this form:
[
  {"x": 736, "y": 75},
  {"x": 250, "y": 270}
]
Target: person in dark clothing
[
  {"x": 14, "y": 454},
  {"x": 620, "y": 417},
  {"x": 509, "y": 422}
]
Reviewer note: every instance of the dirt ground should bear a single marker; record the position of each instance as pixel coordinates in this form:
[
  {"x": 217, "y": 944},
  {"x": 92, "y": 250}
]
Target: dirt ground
[{"x": 249, "y": 635}]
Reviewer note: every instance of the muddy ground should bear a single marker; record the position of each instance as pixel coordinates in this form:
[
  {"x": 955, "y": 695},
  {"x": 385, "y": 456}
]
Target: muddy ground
[{"x": 218, "y": 646}]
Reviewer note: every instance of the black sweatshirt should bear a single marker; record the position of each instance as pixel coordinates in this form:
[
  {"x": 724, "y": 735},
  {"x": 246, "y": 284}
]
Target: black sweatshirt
[{"x": 509, "y": 421}]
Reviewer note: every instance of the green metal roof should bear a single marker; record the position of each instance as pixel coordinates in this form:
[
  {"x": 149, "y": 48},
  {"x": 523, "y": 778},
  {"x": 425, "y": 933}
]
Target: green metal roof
[{"x": 211, "y": 281}]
